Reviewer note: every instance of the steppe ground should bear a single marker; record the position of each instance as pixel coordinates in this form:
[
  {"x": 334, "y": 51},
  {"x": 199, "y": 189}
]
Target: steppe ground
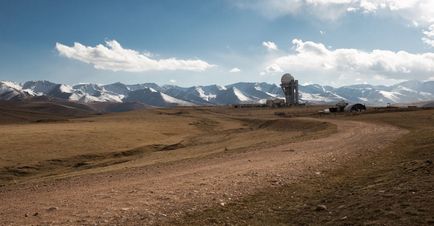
[{"x": 217, "y": 165}]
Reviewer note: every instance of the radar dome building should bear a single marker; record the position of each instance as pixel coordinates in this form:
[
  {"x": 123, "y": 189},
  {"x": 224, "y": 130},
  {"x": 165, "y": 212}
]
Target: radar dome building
[{"x": 290, "y": 89}]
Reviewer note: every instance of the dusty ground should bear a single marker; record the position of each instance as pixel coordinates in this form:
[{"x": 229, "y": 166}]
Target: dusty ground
[
  {"x": 32, "y": 151},
  {"x": 390, "y": 187},
  {"x": 215, "y": 161}
]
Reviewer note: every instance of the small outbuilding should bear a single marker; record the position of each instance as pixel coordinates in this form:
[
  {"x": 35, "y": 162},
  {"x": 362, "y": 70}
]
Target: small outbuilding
[{"x": 275, "y": 103}]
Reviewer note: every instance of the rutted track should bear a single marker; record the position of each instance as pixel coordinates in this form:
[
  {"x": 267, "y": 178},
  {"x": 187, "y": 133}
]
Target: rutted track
[{"x": 157, "y": 193}]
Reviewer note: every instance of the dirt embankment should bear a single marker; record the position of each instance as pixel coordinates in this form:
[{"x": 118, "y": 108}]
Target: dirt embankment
[{"x": 162, "y": 192}]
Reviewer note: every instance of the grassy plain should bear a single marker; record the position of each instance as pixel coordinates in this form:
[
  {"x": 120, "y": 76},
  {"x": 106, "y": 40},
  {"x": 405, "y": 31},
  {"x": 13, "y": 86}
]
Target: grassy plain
[
  {"x": 59, "y": 148},
  {"x": 371, "y": 185}
]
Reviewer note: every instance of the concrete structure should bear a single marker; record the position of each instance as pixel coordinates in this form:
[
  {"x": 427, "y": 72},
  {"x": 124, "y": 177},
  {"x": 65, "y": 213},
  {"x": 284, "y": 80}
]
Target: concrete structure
[
  {"x": 275, "y": 103},
  {"x": 290, "y": 89}
]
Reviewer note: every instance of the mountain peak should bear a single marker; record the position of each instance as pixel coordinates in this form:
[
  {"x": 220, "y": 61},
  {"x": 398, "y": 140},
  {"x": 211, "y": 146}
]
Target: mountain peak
[{"x": 151, "y": 94}]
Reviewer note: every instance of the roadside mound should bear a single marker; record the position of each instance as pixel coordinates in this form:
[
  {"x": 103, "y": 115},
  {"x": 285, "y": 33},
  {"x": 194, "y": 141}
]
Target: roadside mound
[{"x": 287, "y": 125}]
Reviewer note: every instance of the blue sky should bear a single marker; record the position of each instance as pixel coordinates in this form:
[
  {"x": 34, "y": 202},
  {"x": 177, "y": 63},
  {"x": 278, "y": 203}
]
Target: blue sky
[{"x": 196, "y": 42}]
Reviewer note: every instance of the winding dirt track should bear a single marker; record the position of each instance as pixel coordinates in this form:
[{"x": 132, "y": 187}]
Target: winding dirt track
[{"x": 160, "y": 192}]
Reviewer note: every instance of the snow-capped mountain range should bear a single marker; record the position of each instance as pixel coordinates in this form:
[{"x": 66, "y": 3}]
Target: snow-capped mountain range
[{"x": 151, "y": 94}]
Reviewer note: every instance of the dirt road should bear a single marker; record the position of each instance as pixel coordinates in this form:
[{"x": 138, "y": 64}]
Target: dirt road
[{"x": 157, "y": 193}]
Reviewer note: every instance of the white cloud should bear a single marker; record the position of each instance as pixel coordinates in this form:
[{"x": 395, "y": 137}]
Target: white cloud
[
  {"x": 172, "y": 81},
  {"x": 352, "y": 9},
  {"x": 235, "y": 70},
  {"x": 273, "y": 68},
  {"x": 112, "y": 56},
  {"x": 416, "y": 12},
  {"x": 270, "y": 45},
  {"x": 429, "y": 36},
  {"x": 315, "y": 59},
  {"x": 428, "y": 41},
  {"x": 323, "y": 9}
]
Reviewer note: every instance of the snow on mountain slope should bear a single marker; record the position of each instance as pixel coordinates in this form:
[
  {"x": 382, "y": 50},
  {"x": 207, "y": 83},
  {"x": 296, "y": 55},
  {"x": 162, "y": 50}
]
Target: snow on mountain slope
[
  {"x": 214, "y": 94},
  {"x": 66, "y": 89},
  {"x": 12, "y": 85},
  {"x": 96, "y": 93},
  {"x": 118, "y": 88},
  {"x": 241, "y": 95},
  {"x": 204, "y": 95},
  {"x": 150, "y": 94},
  {"x": 152, "y": 97},
  {"x": 7, "y": 91},
  {"x": 104, "y": 97},
  {"x": 173, "y": 100},
  {"x": 315, "y": 98},
  {"x": 257, "y": 92},
  {"x": 144, "y": 86},
  {"x": 413, "y": 92},
  {"x": 13, "y": 91},
  {"x": 219, "y": 87},
  {"x": 196, "y": 95},
  {"x": 39, "y": 87},
  {"x": 392, "y": 96},
  {"x": 89, "y": 88},
  {"x": 313, "y": 93},
  {"x": 63, "y": 92},
  {"x": 272, "y": 95}
]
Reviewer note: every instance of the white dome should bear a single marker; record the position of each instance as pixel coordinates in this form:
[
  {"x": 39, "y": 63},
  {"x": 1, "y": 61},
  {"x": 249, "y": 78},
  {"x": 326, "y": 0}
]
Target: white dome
[{"x": 287, "y": 78}]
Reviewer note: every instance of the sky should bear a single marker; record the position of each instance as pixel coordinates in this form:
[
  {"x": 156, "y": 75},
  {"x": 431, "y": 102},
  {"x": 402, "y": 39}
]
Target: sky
[{"x": 196, "y": 42}]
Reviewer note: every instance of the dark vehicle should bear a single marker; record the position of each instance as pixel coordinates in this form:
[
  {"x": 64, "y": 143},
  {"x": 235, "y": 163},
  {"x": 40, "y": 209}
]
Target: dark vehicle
[
  {"x": 339, "y": 107},
  {"x": 355, "y": 108}
]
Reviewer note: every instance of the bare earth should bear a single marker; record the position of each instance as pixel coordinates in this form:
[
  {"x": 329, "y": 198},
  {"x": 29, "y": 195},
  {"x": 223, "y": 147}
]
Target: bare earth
[{"x": 158, "y": 193}]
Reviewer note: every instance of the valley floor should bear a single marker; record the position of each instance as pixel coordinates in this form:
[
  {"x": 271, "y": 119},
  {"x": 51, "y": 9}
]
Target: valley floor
[{"x": 227, "y": 167}]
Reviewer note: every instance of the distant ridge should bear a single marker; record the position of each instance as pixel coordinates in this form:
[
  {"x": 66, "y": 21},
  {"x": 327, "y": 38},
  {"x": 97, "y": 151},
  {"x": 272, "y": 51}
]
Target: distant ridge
[{"x": 153, "y": 95}]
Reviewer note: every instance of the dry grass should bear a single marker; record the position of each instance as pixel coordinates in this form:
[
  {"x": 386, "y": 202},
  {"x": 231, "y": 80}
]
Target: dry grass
[
  {"x": 133, "y": 139},
  {"x": 393, "y": 187}
]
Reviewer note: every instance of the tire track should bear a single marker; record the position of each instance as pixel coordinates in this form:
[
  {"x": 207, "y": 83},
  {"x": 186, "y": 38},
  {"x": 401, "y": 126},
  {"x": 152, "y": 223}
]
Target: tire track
[{"x": 158, "y": 194}]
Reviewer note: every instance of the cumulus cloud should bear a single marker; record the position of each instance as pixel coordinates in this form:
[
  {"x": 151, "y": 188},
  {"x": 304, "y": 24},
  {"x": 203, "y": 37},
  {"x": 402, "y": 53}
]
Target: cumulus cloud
[
  {"x": 112, "y": 56},
  {"x": 416, "y": 12},
  {"x": 311, "y": 58},
  {"x": 235, "y": 70},
  {"x": 270, "y": 45}
]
